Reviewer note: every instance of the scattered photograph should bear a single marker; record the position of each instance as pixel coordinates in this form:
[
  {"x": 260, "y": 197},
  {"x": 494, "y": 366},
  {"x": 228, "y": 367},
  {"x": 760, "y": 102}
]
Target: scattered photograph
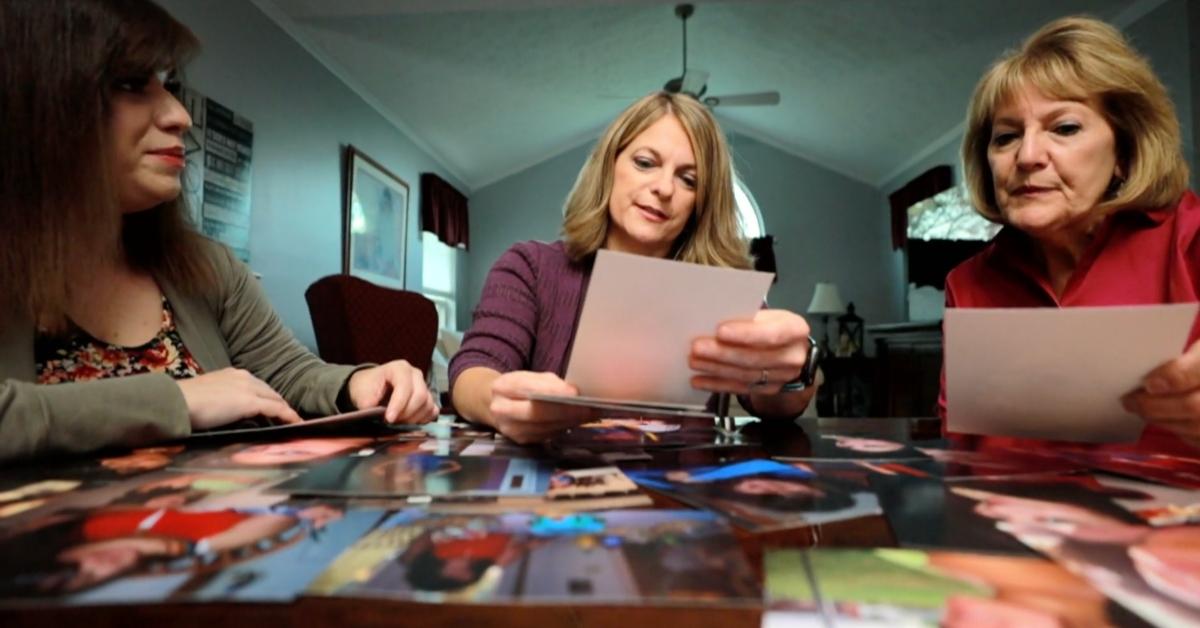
[
  {"x": 121, "y": 555},
  {"x": 1152, "y": 572},
  {"x": 762, "y": 494},
  {"x": 628, "y": 557},
  {"x": 905, "y": 587}
]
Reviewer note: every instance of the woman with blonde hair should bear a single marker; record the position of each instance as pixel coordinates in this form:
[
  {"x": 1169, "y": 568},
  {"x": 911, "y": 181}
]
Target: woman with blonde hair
[
  {"x": 119, "y": 323},
  {"x": 1073, "y": 145},
  {"x": 658, "y": 183}
]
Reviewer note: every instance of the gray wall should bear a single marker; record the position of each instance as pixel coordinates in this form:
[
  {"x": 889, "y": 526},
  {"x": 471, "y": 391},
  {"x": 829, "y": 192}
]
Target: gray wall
[
  {"x": 302, "y": 116},
  {"x": 829, "y": 227},
  {"x": 525, "y": 206},
  {"x": 1163, "y": 36}
]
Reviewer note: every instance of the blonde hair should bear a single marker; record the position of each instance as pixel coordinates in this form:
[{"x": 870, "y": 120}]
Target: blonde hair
[
  {"x": 1081, "y": 58},
  {"x": 712, "y": 235}
]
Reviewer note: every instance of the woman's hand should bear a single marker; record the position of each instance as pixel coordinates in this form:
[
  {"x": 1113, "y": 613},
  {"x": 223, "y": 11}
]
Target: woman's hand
[
  {"x": 220, "y": 397},
  {"x": 400, "y": 386},
  {"x": 755, "y": 356},
  {"x": 1170, "y": 396},
  {"x": 525, "y": 421}
]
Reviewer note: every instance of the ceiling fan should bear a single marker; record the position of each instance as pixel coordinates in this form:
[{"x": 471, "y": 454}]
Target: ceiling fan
[{"x": 694, "y": 82}]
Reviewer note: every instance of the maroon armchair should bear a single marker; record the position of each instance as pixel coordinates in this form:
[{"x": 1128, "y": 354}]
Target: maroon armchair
[{"x": 356, "y": 321}]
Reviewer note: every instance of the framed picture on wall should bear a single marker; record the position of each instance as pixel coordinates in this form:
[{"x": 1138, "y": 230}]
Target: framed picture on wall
[{"x": 374, "y": 221}]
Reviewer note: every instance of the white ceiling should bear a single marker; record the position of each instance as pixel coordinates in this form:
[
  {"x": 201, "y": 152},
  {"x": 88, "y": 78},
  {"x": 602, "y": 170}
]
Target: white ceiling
[{"x": 490, "y": 88}]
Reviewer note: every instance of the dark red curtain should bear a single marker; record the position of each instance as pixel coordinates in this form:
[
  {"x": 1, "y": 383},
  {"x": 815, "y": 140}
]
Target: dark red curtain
[
  {"x": 444, "y": 211},
  {"x": 930, "y": 182}
]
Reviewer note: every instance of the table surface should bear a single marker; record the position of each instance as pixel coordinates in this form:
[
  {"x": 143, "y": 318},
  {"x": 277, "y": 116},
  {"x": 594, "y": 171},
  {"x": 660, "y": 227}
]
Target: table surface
[{"x": 778, "y": 438}]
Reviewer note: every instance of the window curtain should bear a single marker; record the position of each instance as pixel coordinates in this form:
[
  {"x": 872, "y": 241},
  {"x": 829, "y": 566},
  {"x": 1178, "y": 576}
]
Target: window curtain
[
  {"x": 444, "y": 211},
  {"x": 930, "y": 182}
]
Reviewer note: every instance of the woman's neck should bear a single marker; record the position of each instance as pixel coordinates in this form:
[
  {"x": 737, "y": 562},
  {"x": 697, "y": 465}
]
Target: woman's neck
[
  {"x": 622, "y": 245},
  {"x": 1061, "y": 255}
]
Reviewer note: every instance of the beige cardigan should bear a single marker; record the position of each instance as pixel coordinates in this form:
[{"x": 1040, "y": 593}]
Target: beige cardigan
[{"x": 233, "y": 326}]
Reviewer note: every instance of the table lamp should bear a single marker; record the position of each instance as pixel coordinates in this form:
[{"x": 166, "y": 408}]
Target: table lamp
[{"x": 826, "y": 302}]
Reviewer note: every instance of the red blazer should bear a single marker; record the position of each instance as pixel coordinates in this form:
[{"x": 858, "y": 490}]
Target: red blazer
[{"x": 1136, "y": 258}]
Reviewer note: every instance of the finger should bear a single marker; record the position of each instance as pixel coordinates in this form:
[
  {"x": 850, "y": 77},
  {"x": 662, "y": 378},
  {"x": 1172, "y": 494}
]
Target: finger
[
  {"x": 402, "y": 391},
  {"x": 753, "y": 377},
  {"x": 769, "y": 328},
  {"x": 507, "y": 410},
  {"x": 277, "y": 410},
  {"x": 1172, "y": 406},
  {"x": 1179, "y": 375},
  {"x": 712, "y": 350},
  {"x": 418, "y": 398},
  {"x": 519, "y": 385}
]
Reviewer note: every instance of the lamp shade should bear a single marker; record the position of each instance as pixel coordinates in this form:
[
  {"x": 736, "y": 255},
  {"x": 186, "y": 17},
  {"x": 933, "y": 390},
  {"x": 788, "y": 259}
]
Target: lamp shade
[{"x": 826, "y": 299}]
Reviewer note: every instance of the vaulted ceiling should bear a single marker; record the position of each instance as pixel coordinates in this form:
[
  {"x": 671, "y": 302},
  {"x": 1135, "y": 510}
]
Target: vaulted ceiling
[{"x": 490, "y": 87}]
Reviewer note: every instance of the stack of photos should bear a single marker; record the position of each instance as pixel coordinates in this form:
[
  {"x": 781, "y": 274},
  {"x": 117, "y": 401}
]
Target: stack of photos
[
  {"x": 627, "y": 557},
  {"x": 763, "y": 494},
  {"x": 1153, "y": 572},
  {"x": 382, "y": 473},
  {"x": 901, "y": 587}
]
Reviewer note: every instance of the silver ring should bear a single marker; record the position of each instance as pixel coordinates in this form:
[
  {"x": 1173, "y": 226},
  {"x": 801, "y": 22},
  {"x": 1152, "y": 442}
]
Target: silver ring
[{"x": 762, "y": 379}]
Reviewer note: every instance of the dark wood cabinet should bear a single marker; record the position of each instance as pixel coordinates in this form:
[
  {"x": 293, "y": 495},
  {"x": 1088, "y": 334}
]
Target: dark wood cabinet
[{"x": 908, "y": 369}]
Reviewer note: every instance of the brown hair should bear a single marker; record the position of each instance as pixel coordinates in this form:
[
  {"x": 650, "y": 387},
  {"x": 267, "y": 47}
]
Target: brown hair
[
  {"x": 58, "y": 211},
  {"x": 1081, "y": 58},
  {"x": 712, "y": 235}
]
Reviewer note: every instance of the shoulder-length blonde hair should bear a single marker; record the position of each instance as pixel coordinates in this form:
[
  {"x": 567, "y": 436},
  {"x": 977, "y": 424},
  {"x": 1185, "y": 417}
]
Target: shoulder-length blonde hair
[
  {"x": 1081, "y": 58},
  {"x": 712, "y": 235},
  {"x": 58, "y": 208}
]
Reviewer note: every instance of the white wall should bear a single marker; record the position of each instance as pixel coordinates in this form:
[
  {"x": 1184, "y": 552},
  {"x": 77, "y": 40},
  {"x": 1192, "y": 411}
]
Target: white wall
[{"x": 303, "y": 115}]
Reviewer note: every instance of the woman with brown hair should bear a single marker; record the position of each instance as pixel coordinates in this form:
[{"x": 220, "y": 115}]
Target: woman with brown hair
[
  {"x": 1073, "y": 144},
  {"x": 146, "y": 329},
  {"x": 658, "y": 183}
]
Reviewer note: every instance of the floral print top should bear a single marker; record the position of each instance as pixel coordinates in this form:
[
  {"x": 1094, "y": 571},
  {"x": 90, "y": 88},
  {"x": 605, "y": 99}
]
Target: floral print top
[{"x": 78, "y": 357}]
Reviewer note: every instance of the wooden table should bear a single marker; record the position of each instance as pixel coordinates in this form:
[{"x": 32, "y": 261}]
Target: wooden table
[{"x": 779, "y": 438}]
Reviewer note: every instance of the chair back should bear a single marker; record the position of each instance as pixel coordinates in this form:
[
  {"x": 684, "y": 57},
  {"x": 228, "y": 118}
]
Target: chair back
[{"x": 356, "y": 321}]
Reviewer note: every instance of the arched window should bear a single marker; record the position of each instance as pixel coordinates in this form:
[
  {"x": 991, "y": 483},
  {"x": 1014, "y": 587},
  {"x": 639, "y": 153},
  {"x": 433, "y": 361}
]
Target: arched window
[{"x": 749, "y": 216}]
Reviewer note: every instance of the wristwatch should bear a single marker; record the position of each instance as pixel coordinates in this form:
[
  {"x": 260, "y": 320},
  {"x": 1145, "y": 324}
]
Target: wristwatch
[{"x": 808, "y": 374}]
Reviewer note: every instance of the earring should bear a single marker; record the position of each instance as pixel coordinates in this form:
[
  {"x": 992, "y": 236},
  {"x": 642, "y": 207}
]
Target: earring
[{"x": 1114, "y": 186}]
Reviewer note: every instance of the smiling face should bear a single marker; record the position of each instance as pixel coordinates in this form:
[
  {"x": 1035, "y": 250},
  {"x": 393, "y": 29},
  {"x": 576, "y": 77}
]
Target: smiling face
[
  {"x": 145, "y": 142},
  {"x": 653, "y": 190},
  {"x": 1052, "y": 161}
]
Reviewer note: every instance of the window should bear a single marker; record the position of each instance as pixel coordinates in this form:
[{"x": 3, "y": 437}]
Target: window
[
  {"x": 747, "y": 209},
  {"x": 439, "y": 277}
]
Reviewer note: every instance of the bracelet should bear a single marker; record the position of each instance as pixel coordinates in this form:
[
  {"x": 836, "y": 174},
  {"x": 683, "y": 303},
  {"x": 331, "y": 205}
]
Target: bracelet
[{"x": 808, "y": 374}]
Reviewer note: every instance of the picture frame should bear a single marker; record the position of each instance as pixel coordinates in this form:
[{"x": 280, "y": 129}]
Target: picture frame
[{"x": 374, "y": 221}]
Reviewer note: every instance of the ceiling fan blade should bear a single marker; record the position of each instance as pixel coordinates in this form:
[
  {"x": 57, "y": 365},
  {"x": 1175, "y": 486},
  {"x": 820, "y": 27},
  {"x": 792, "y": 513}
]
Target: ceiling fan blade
[
  {"x": 694, "y": 82},
  {"x": 738, "y": 100}
]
